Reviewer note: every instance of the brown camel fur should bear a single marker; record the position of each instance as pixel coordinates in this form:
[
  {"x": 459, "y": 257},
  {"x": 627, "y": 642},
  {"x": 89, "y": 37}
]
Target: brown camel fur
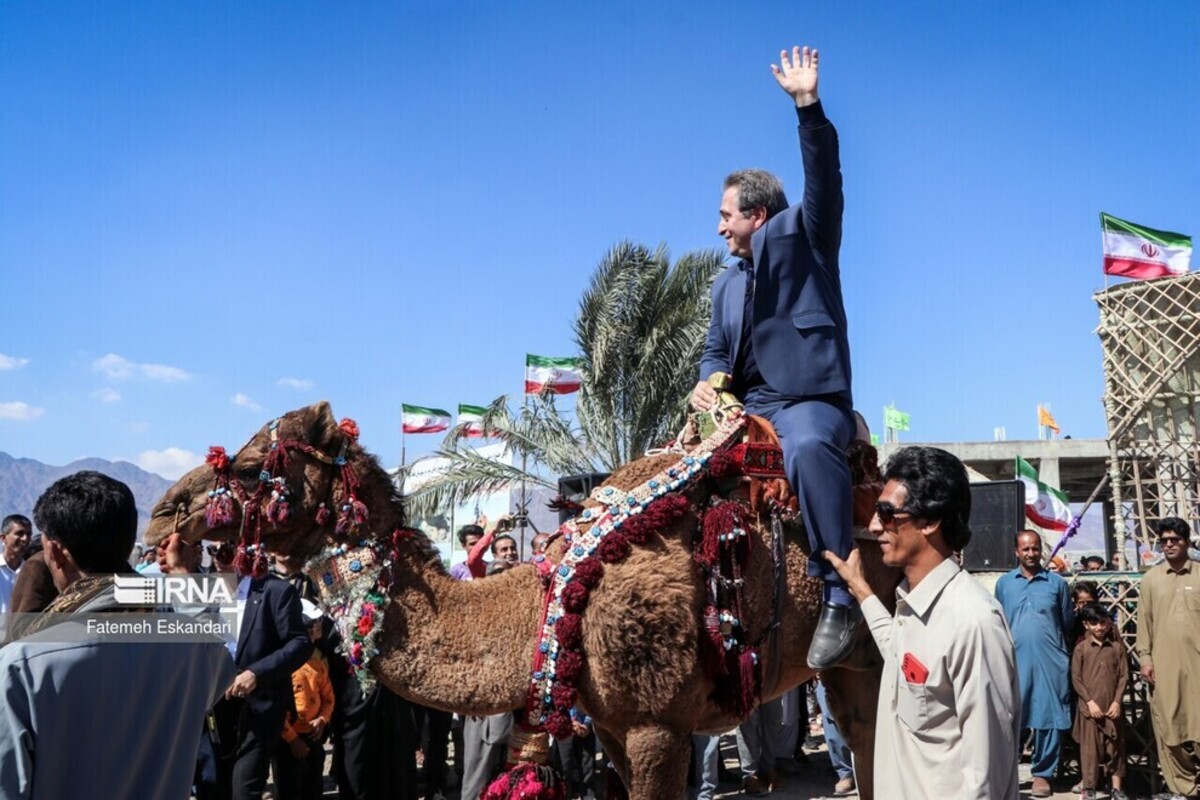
[{"x": 467, "y": 646}]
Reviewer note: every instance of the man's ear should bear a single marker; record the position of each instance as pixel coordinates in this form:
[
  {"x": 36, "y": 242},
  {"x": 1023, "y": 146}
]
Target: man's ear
[
  {"x": 758, "y": 215},
  {"x": 56, "y": 554}
]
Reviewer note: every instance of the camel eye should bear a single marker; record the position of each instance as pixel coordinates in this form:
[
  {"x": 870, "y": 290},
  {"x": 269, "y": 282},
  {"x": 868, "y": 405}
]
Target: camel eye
[{"x": 248, "y": 473}]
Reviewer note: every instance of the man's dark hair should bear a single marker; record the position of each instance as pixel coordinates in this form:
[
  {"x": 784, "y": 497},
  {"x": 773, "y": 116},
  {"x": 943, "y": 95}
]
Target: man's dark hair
[
  {"x": 757, "y": 187},
  {"x": 496, "y": 567},
  {"x": 938, "y": 490},
  {"x": 1098, "y": 559},
  {"x": 1079, "y": 587},
  {"x": 1174, "y": 525},
  {"x": 1017, "y": 538},
  {"x": 468, "y": 530},
  {"x": 91, "y": 515},
  {"x": 13, "y": 520},
  {"x": 500, "y": 539},
  {"x": 1093, "y": 613}
]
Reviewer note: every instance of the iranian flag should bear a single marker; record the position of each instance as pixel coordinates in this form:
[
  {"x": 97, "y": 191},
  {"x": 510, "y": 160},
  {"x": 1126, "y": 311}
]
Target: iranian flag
[
  {"x": 472, "y": 418},
  {"x": 418, "y": 419},
  {"x": 1133, "y": 251},
  {"x": 1045, "y": 506},
  {"x": 559, "y": 375}
]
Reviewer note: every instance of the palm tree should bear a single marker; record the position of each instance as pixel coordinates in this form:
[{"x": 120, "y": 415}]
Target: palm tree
[{"x": 640, "y": 333}]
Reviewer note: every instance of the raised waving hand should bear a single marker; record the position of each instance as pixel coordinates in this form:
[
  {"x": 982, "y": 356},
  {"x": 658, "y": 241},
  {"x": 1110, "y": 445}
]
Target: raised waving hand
[{"x": 797, "y": 75}]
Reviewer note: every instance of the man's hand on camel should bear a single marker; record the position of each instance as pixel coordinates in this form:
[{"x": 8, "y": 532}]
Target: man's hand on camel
[
  {"x": 175, "y": 556},
  {"x": 798, "y": 75},
  {"x": 704, "y": 396},
  {"x": 852, "y": 574}
]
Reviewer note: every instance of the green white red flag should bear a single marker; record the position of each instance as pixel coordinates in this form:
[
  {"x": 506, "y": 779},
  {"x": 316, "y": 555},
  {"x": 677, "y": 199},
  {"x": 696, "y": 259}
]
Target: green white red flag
[
  {"x": 558, "y": 375},
  {"x": 418, "y": 419},
  {"x": 471, "y": 418},
  {"x": 1135, "y": 251},
  {"x": 1045, "y": 506}
]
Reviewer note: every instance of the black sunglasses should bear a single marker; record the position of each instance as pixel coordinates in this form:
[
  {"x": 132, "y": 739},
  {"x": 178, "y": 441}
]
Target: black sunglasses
[
  {"x": 888, "y": 513},
  {"x": 1170, "y": 540}
]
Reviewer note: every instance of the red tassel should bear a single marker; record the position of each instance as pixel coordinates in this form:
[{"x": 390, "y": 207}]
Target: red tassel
[
  {"x": 324, "y": 515},
  {"x": 748, "y": 688}
]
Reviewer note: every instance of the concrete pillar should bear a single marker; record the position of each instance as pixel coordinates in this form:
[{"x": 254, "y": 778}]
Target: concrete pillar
[{"x": 1048, "y": 472}]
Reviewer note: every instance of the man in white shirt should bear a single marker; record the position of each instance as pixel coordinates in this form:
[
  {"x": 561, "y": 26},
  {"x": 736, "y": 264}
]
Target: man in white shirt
[
  {"x": 949, "y": 701},
  {"x": 14, "y": 533}
]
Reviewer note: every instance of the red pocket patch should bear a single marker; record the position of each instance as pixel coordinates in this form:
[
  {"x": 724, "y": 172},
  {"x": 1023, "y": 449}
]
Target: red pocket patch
[{"x": 914, "y": 671}]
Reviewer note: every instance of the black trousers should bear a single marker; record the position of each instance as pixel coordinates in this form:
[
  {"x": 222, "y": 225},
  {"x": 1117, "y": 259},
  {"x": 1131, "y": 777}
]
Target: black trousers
[
  {"x": 299, "y": 779},
  {"x": 577, "y": 756},
  {"x": 251, "y": 764}
]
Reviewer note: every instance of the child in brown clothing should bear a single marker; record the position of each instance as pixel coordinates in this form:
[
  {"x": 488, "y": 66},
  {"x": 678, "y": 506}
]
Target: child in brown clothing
[{"x": 1099, "y": 671}]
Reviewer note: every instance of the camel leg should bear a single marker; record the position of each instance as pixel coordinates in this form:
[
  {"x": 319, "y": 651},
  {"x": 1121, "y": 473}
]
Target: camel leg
[
  {"x": 614, "y": 751},
  {"x": 853, "y": 697},
  {"x": 658, "y": 762}
]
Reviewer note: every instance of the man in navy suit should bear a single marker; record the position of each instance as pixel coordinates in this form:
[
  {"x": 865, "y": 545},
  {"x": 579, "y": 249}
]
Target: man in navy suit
[
  {"x": 779, "y": 331},
  {"x": 272, "y": 644}
]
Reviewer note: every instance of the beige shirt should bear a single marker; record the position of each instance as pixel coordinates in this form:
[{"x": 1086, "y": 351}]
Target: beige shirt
[
  {"x": 949, "y": 700},
  {"x": 1168, "y": 637}
]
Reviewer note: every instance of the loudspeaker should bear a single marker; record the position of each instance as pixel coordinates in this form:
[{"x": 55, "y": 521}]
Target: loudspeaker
[
  {"x": 576, "y": 488},
  {"x": 997, "y": 514}
]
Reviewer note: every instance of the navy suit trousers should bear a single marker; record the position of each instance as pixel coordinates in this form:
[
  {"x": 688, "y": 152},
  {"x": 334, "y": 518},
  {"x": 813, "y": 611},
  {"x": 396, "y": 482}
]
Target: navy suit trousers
[{"x": 814, "y": 434}]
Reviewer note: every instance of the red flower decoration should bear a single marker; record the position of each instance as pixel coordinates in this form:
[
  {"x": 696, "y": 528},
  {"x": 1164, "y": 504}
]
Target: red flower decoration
[
  {"x": 575, "y": 597},
  {"x": 569, "y": 630},
  {"x": 568, "y": 665},
  {"x": 356, "y": 653},
  {"x": 559, "y": 725},
  {"x": 589, "y": 571},
  {"x": 365, "y": 624},
  {"x": 613, "y": 548},
  {"x": 564, "y": 697}
]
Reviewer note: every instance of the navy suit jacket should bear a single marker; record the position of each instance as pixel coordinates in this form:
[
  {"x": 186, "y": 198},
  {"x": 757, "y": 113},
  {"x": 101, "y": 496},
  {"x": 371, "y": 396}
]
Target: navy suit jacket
[
  {"x": 272, "y": 643},
  {"x": 800, "y": 331}
]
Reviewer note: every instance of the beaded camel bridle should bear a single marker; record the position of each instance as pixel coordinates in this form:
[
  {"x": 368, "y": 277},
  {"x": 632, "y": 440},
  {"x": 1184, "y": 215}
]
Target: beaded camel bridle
[{"x": 271, "y": 497}]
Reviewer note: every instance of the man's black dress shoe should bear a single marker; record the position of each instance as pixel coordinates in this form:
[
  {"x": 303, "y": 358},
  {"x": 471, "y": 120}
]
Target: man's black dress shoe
[{"x": 837, "y": 631}]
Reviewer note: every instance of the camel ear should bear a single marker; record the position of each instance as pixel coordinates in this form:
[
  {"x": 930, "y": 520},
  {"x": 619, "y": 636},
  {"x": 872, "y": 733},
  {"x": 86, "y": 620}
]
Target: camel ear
[{"x": 322, "y": 427}]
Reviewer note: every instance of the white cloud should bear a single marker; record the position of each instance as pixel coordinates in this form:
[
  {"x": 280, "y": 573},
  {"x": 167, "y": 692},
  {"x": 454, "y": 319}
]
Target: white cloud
[
  {"x": 107, "y": 395},
  {"x": 295, "y": 383},
  {"x": 242, "y": 400},
  {"x": 22, "y": 412},
  {"x": 12, "y": 362},
  {"x": 117, "y": 368},
  {"x": 170, "y": 463}
]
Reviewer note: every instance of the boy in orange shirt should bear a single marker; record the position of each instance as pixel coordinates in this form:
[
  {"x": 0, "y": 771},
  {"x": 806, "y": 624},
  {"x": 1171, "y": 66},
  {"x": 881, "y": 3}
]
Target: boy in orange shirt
[{"x": 305, "y": 731}]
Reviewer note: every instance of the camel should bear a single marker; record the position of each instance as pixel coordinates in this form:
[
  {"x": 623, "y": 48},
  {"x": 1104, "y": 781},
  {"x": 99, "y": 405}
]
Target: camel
[{"x": 467, "y": 647}]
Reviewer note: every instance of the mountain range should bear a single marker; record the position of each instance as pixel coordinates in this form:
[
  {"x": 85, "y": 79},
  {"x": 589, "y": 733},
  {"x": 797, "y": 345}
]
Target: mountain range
[{"x": 22, "y": 481}]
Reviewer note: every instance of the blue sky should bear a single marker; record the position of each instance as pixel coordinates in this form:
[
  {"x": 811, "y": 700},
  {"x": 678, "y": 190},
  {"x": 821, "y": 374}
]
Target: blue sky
[{"x": 211, "y": 213}]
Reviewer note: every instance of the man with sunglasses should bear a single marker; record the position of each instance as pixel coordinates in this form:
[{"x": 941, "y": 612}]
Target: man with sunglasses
[
  {"x": 1168, "y": 649},
  {"x": 949, "y": 700}
]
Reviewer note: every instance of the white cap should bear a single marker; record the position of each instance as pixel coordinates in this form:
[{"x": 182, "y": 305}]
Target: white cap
[{"x": 310, "y": 611}]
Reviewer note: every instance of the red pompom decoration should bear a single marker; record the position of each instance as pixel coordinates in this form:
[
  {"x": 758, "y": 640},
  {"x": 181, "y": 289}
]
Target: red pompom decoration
[
  {"x": 575, "y": 597},
  {"x": 564, "y": 697},
  {"x": 365, "y": 624},
  {"x": 559, "y": 725},
  {"x": 588, "y": 572},
  {"x": 638, "y": 530},
  {"x": 569, "y": 630},
  {"x": 568, "y": 665},
  {"x": 613, "y": 549},
  {"x": 349, "y": 429},
  {"x": 217, "y": 459},
  {"x": 722, "y": 465}
]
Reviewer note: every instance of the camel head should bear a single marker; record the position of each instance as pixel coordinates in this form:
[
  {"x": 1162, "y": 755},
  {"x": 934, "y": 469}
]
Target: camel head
[{"x": 301, "y": 482}]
